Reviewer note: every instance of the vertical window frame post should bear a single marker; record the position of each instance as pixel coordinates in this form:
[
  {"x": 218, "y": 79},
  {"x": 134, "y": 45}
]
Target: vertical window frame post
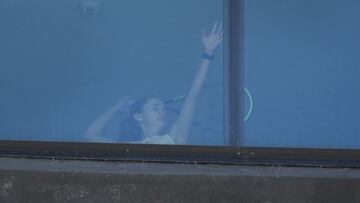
[{"x": 234, "y": 72}]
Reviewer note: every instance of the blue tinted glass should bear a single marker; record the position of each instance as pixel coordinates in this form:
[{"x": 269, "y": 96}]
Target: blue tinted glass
[
  {"x": 302, "y": 69},
  {"x": 72, "y": 70}
]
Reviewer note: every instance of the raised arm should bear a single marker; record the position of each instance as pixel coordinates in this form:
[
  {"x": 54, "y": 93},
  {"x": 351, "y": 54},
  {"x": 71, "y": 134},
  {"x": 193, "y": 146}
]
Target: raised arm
[
  {"x": 180, "y": 130},
  {"x": 95, "y": 130}
]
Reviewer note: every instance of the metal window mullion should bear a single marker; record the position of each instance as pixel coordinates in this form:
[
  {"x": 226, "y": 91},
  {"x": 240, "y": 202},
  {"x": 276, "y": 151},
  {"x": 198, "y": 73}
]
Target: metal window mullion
[{"x": 233, "y": 72}]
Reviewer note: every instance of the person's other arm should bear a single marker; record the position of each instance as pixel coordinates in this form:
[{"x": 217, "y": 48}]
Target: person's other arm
[{"x": 95, "y": 130}]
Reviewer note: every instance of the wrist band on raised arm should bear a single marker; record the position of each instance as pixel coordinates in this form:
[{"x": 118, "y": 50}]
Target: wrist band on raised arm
[{"x": 207, "y": 56}]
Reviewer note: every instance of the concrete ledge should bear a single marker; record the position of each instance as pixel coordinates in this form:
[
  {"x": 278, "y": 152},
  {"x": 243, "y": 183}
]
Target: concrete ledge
[{"x": 40, "y": 180}]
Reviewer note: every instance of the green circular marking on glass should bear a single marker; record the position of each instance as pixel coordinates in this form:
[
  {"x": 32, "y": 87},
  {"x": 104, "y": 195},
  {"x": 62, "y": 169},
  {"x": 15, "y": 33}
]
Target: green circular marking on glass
[{"x": 247, "y": 92}]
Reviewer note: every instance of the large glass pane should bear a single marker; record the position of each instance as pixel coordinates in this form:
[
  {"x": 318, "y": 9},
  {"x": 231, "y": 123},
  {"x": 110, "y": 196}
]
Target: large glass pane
[
  {"x": 302, "y": 70},
  {"x": 71, "y": 70}
]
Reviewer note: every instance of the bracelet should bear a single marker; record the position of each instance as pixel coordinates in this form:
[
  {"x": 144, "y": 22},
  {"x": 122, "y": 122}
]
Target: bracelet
[{"x": 207, "y": 56}]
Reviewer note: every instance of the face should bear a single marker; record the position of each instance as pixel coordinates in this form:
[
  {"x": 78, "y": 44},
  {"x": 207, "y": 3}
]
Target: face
[{"x": 153, "y": 113}]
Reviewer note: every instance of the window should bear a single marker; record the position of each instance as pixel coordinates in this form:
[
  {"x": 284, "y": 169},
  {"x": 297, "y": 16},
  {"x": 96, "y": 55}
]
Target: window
[
  {"x": 302, "y": 67},
  {"x": 67, "y": 65},
  {"x": 280, "y": 85}
]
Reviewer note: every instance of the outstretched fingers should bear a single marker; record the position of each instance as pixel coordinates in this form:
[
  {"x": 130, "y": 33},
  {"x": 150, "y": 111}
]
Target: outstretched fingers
[
  {"x": 212, "y": 40},
  {"x": 219, "y": 31},
  {"x": 215, "y": 28}
]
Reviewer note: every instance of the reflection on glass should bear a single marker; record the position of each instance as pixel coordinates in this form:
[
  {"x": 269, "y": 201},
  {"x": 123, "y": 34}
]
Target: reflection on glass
[
  {"x": 145, "y": 122},
  {"x": 65, "y": 64}
]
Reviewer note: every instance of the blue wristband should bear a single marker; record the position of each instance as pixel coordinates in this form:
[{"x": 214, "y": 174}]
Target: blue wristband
[{"x": 207, "y": 56}]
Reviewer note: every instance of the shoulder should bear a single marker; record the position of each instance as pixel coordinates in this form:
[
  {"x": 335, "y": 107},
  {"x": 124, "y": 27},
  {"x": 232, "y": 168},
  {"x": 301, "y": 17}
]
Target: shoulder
[{"x": 160, "y": 139}]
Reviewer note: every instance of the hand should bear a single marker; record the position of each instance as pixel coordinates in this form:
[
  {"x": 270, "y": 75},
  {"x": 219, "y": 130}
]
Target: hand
[
  {"x": 212, "y": 40},
  {"x": 120, "y": 104}
]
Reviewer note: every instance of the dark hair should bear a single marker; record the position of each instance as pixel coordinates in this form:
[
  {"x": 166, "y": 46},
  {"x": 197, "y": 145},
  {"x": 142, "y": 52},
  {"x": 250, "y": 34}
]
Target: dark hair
[{"x": 130, "y": 130}]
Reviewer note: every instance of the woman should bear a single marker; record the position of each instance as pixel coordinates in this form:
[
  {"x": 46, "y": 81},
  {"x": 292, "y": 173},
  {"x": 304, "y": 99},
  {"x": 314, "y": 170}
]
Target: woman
[{"x": 146, "y": 118}]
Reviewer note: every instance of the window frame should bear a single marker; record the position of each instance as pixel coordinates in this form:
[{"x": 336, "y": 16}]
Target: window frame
[
  {"x": 233, "y": 72},
  {"x": 265, "y": 156}
]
